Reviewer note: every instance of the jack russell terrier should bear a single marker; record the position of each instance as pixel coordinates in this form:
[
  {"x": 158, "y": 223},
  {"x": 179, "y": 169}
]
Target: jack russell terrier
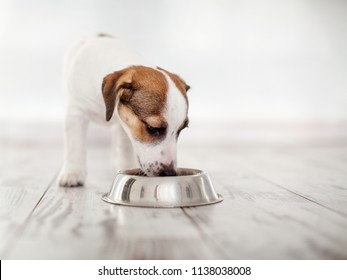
[{"x": 146, "y": 109}]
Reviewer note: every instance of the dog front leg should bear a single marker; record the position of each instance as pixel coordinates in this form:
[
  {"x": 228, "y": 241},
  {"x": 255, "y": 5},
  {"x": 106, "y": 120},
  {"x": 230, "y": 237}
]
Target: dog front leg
[
  {"x": 73, "y": 172},
  {"x": 123, "y": 156}
]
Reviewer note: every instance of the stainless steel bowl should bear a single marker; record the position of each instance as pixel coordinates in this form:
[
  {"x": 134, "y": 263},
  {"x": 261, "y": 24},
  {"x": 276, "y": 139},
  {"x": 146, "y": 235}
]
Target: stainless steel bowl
[{"x": 191, "y": 187}]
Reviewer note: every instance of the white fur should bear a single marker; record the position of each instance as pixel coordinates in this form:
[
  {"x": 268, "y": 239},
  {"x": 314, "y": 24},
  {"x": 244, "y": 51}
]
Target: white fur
[{"x": 86, "y": 66}]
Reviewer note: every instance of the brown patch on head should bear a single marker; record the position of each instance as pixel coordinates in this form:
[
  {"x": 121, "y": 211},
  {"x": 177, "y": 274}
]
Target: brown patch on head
[
  {"x": 149, "y": 92},
  {"x": 179, "y": 82},
  {"x": 141, "y": 93},
  {"x": 141, "y": 88}
]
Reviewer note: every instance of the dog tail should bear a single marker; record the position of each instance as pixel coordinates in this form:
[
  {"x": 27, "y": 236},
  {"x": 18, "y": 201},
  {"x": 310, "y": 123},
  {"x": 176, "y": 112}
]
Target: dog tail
[{"x": 104, "y": 35}]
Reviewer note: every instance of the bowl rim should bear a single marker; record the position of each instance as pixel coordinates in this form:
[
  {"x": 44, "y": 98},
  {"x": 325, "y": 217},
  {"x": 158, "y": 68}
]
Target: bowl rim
[{"x": 132, "y": 172}]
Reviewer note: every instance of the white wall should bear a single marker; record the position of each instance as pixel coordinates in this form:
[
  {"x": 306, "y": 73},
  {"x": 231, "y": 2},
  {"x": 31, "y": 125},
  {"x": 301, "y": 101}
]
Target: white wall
[{"x": 246, "y": 60}]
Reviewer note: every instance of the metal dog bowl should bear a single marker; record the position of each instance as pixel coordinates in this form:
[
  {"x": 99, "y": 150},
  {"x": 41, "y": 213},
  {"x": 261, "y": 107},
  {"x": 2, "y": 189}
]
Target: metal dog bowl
[{"x": 191, "y": 187}]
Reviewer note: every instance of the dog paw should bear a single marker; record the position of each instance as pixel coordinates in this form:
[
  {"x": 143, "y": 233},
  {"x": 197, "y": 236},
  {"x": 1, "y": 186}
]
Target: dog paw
[{"x": 72, "y": 178}]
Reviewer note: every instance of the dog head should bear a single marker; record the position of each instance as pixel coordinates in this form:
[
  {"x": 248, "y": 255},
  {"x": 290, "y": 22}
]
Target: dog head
[{"x": 152, "y": 105}]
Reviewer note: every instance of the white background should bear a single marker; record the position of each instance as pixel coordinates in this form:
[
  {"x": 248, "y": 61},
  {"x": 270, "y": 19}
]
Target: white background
[{"x": 247, "y": 61}]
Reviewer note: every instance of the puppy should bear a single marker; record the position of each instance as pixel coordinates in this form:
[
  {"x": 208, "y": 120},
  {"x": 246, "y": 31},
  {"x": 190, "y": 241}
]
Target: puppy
[{"x": 145, "y": 107}]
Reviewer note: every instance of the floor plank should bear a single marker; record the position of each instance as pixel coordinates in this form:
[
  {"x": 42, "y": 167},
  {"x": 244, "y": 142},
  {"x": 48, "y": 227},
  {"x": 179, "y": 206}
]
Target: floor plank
[
  {"x": 328, "y": 157},
  {"x": 26, "y": 173},
  {"x": 315, "y": 180}
]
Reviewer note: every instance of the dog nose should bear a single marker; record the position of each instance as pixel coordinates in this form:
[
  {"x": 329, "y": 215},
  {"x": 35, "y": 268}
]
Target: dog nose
[
  {"x": 167, "y": 169},
  {"x": 167, "y": 172}
]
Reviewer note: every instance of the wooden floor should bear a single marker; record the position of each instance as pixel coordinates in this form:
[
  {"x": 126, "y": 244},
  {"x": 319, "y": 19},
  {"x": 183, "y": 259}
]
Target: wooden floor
[{"x": 280, "y": 202}]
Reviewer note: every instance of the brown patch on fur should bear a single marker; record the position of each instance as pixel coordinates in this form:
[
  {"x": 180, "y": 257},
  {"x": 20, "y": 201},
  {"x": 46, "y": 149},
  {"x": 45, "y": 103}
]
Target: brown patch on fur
[
  {"x": 136, "y": 126},
  {"x": 149, "y": 88},
  {"x": 142, "y": 89},
  {"x": 155, "y": 121},
  {"x": 141, "y": 92},
  {"x": 179, "y": 82}
]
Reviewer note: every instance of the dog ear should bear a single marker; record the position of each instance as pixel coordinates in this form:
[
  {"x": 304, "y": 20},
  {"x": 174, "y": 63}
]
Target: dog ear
[
  {"x": 187, "y": 87},
  {"x": 116, "y": 85}
]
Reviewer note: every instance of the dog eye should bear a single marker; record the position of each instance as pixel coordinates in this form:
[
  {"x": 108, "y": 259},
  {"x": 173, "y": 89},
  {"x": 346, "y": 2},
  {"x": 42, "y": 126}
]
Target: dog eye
[{"x": 156, "y": 131}]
